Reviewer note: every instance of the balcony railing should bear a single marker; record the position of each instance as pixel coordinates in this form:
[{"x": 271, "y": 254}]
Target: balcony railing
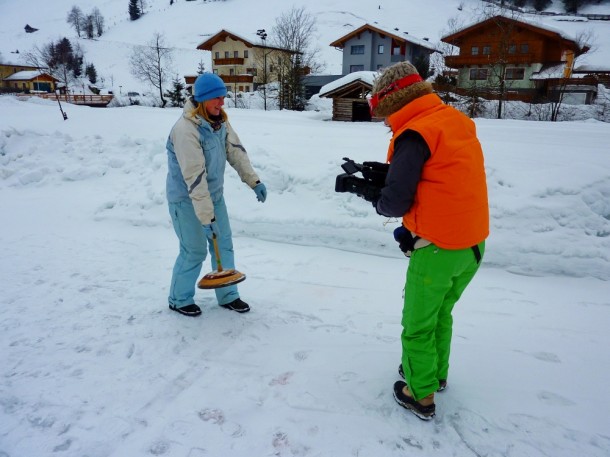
[
  {"x": 229, "y": 61},
  {"x": 489, "y": 59},
  {"x": 237, "y": 78}
]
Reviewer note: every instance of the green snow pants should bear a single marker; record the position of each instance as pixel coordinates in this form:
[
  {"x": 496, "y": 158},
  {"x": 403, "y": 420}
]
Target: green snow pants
[{"x": 435, "y": 281}]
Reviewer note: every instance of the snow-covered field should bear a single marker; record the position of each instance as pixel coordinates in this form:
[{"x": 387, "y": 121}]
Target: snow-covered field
[{"x": 94, "y": 364}]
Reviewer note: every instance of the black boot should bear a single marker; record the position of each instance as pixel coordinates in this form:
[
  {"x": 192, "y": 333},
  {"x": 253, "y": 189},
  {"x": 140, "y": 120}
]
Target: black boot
[
  {"x": 424, "y": 412},
  {"x": 188, "y": 310},
  {"x": 237, "y": 305}
]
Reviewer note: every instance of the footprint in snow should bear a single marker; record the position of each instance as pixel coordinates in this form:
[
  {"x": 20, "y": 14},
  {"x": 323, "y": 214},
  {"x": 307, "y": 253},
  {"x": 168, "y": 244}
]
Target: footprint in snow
[{"x": 282, "y": 379}]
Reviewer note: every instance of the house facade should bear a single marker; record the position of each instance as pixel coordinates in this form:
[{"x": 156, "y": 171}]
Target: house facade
[
  {"x": 371, "y": 48},
  {"x": 517, "y": 60},
  {"x": 25, "y": 78},
  {"x": 242, "y": 64}
]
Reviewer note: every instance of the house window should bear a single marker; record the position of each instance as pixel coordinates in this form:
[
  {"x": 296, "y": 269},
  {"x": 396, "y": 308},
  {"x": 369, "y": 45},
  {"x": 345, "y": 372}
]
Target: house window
[
  {"x": 486, "y": 50},
  {"x": 236, "y": 54},
  {"x": 217, "y": 55},
  {"x": 514, "y": 73},
  {"x": 215, "y": 71},
  {"x": 353, "y": 68},
  {"x": 358, "y": 49},
  {"x": 251, "y": 71},
  {"x": 474, "y": 50},
  {"x": 380, "y": 49},
  {"x": 246, "y": 54},
  {"x": 525, "y": 48},
  {"x": 512, "y": 49},
  {"x": 379, "y": 66},
  {"x": 478, "y": 74},
  {"x": 396, "y": 51},
  {"x": 231, "y": 71},
  {"x": 226, "y": 54}
]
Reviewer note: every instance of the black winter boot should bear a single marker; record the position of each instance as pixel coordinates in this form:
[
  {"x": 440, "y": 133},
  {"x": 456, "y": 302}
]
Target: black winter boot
[
  {"x": 424, "y": 412},
  {"x": 237, "y": 305},
  {"x": 188, "y": 310}
]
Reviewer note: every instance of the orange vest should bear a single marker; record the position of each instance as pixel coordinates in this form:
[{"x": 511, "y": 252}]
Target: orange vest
[{"x": 450, "y": 208}]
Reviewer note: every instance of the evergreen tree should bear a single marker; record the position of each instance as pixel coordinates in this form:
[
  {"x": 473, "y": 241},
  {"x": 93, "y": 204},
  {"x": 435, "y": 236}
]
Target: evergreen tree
[
  {"x": 571, "y": 6},
  {"x": 134, "y": 10},
  {"x": 176, "y": 94},
  {"x": 541, "y": 5},
  {"x": 201, "y": 68},
  {"x": 91, "y": 73}
]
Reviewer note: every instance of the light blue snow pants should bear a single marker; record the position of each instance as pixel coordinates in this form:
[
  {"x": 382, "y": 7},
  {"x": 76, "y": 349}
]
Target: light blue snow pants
[{"x": 193, "y": 251}]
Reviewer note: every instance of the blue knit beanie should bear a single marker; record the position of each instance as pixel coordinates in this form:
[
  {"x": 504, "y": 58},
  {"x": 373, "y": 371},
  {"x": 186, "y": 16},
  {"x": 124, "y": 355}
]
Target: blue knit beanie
[{"x": 208, "y": 86}]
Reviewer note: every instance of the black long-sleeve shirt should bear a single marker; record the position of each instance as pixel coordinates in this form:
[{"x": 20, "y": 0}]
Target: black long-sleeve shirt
[{"x": 410, "y": 154}]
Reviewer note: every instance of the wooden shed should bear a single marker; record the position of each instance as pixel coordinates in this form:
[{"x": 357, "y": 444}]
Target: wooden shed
[{"x": 349, "y": 95}]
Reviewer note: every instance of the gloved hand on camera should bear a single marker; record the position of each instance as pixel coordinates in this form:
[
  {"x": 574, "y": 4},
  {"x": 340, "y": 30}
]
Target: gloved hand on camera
[
  {"x": 261, "y": 192},
  {"x": 211, "y": 229},
  {"x": 406, "y": 242}
]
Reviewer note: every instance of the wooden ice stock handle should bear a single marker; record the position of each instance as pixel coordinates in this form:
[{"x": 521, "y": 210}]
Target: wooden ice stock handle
[{"x": 215, "y": 243}]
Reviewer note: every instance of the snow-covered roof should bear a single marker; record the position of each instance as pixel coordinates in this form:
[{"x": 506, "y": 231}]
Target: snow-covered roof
[
  {"x": 529, "y": 22},
  {"x": 593, "y": 69},
  {"x": 554, "y": 72},
  {"x": 390, "y": 31},
  {"x": 25, "y": 75},
  {"x": 367, "y": 77}
]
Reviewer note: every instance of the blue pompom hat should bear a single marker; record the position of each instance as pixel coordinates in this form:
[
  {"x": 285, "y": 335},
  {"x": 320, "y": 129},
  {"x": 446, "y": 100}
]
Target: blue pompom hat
[{"x": 208, "y": 86}]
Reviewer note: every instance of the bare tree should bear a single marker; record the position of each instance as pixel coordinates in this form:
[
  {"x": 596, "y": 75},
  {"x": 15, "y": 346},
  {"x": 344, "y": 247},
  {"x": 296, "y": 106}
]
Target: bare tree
[
  {"x": 444, "y": 79},
  {"x": 505, "y": 22},
  {"x": 294, "y": 31},
  {"x": 89, "y": 26},
  {"x": 98, "y": 21},
  {"x": 585, "y": 41},
  {"x": 152, "y": 63},
  {"x": 76, "y": 19}
]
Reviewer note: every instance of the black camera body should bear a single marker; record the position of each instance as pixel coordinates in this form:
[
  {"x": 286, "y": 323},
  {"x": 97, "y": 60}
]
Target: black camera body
[{"x": 369, "y": 186}]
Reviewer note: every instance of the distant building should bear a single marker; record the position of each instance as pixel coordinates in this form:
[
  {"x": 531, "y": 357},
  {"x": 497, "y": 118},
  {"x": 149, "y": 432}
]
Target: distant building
[
  {"x": 242, "y": 64},
  {"x": 313, "y": 83},
  {"x": 520, "y": 60},
  {"x": 349, "y": 94},
  {"x": 371, "y": 48},
  {"x": 26, "y": 78}
]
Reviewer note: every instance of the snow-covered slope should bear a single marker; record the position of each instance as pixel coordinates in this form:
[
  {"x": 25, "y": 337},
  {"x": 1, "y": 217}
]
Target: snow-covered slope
[{"x": 185, "y": 24}]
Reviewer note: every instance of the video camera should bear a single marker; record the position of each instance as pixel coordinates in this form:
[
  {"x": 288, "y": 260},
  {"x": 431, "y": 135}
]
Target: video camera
[{"x": 369, "y": 186}]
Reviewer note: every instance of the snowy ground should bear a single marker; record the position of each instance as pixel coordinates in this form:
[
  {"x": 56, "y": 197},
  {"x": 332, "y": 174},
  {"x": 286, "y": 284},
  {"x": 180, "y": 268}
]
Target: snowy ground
[{"x": 94, "y": 364}]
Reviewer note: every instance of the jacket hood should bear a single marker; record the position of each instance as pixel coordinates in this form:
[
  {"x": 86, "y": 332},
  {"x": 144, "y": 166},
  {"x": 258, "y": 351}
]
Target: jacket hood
[{"x": 187, "y": 112}]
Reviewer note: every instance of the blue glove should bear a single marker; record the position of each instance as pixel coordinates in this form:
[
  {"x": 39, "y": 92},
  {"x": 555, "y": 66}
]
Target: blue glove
[
  {"x": 211, "y": 229},
  {"x": 261, "y": 192}
]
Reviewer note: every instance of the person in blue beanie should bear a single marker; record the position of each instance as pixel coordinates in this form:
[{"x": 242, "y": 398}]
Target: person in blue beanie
[{"x": 200, "y": 144}]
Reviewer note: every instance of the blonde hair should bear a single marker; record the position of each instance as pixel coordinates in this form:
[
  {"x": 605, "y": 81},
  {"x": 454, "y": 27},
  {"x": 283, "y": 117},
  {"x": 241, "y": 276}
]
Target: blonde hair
[{"x": 200, "y": 111}]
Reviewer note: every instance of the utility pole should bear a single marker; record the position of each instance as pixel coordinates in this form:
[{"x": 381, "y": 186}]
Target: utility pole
[{"x": 263, "y": 36}]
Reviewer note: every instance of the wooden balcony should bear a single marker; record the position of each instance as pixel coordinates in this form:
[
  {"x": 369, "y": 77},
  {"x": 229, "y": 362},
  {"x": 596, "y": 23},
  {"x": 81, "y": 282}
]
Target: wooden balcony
[
  {"x": 463, "y": 61},
  {"x": 230, "y": 79},
  {"x": 229, "y": 61}
]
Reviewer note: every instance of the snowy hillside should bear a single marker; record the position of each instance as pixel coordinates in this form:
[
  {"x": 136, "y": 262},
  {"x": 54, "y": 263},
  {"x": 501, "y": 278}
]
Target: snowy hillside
[{"x": 185, "y": 24}]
